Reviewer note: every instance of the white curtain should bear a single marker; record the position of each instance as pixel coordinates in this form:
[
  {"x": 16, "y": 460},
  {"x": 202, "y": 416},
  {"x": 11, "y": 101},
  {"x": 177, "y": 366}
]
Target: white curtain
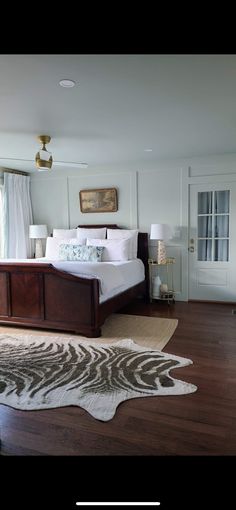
[
  {"x": 17, "y": 216},
  {"x": 213, "y": 205},
  {"x": 1, "y": 222},
  {"x": 222, "y": 201}
]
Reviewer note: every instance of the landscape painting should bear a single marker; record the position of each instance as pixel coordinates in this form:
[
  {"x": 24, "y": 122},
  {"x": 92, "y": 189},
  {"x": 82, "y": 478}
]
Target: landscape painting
[{"x": 98, "y": 200}]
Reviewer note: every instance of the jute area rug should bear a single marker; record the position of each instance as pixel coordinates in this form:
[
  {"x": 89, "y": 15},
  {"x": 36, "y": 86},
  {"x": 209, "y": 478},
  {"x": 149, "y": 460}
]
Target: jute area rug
[
  {"x": 147, "y": 331},
  {"x": 45, "y": 371}
]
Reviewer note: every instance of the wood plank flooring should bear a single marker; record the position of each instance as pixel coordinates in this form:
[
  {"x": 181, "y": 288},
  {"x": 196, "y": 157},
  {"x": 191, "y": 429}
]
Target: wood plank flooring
[{"x": 201, "y": 423}]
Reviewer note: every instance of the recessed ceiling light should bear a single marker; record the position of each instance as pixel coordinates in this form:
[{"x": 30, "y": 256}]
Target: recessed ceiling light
[
  {"x": 67, "y": 83},
  {"x": 147, "y": 150}
]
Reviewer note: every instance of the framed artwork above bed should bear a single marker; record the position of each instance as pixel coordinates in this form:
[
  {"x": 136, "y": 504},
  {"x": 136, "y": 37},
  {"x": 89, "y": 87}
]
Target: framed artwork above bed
[{"x": 98, "y": 200}]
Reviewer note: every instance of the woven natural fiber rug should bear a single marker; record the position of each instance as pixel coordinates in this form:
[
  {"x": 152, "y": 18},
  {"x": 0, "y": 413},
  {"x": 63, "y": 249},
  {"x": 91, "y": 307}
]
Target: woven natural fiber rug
[
  {"x": 42, "y": 372},
  {"x": 147, "y": 331}
]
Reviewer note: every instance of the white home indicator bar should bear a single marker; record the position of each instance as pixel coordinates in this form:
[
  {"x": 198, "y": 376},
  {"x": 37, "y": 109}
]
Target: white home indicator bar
[{"x": 117, "y": 503}]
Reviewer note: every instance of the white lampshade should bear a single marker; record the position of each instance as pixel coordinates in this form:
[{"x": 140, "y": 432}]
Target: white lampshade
[
  {"x": 38, "y": 231},
  {"x": 160, "y": 231}
]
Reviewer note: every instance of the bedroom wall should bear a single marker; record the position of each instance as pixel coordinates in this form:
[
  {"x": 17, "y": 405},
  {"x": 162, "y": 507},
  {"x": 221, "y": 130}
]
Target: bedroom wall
[{"x": 147, "y": 193}]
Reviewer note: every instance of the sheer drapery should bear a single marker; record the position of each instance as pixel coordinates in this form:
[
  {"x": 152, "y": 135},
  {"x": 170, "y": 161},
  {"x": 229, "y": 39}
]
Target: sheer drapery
[
  {"x": 213, "y": 225},
  {"x": 205, "y": 249},
  {"x": 221, "y": 202},
  {"x": 205, "y": 202},
  {"x": 1, "y": 223},
  {"x": 17, "y": 216}
]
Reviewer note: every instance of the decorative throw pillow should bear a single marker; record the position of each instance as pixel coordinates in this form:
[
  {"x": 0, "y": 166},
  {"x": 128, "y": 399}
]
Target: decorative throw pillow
[
  {"x": 80, "y": 252},
  {"x": 114, "y": 249},
  {"x": 64, "y": 233},
  {"x": 91, "y": 233},
  {"x": 117, "y": 233},
  {"x": 53, "y": 243}
]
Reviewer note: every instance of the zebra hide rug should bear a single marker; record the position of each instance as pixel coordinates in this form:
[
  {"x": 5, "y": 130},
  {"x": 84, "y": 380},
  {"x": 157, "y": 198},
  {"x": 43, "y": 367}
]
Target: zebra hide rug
[{"x": 42, "y": 372}]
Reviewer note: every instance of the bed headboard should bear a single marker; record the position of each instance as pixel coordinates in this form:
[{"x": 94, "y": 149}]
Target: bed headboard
[{"x": 142, "y": 246}]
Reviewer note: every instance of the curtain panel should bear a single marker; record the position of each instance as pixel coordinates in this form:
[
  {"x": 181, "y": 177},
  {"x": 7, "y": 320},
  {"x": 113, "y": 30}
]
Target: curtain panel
[
  {"x": 1, "y": 221},
  {"x": 17, "y": 216},
  {"x": 213, "y": 225}
]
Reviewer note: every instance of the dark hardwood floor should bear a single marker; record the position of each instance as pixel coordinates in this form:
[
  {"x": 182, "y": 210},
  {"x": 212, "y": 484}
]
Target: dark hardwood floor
[{"x": 201, "y": 423}]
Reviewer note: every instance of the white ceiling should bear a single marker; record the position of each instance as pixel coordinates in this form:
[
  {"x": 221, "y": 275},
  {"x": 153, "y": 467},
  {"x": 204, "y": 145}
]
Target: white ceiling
[{"x": 178, "y": 105}]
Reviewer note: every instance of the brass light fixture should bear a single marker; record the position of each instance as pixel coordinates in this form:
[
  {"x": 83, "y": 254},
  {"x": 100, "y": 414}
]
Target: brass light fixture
[{"x": 43, "y": 158}]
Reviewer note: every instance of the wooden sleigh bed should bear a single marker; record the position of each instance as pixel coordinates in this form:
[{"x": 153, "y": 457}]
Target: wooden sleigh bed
[{"x": 38, "y": 295}]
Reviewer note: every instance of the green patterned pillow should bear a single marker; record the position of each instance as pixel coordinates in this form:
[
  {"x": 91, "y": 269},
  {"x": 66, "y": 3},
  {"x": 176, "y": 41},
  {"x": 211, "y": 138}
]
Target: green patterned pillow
[{"x": 81, "y": 253}]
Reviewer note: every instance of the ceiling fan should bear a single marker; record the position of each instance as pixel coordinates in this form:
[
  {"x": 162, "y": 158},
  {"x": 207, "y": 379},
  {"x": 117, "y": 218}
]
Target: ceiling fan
[{"x": 43, "y": 159}]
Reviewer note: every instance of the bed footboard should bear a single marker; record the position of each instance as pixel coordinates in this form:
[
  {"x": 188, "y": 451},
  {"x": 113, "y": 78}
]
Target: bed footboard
[{"x": 38, "y": 295}]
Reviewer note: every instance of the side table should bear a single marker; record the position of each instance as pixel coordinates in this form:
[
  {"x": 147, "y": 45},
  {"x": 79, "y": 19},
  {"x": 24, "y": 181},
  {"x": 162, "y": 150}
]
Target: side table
[{"x": 167, "y": 294}]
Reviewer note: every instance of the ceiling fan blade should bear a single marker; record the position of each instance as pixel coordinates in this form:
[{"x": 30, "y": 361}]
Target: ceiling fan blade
[
  {"x": 55, "y": 163},
  {"x": 70, "y": 163},
  {"x": 16, "y": 159}
]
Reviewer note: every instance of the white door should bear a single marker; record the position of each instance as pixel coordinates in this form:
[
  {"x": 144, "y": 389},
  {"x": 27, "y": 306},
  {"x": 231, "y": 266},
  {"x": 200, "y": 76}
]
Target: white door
[{"x": 212, "y": 242}]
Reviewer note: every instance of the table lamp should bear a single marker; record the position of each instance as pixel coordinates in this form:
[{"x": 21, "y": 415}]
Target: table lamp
[
  {"x": 160, "y": 232},
  {"x": 38, "y": 232}
]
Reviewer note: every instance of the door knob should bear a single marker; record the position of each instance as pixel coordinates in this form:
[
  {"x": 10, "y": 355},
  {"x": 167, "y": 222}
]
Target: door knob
[{"x": 191, "y": 249}]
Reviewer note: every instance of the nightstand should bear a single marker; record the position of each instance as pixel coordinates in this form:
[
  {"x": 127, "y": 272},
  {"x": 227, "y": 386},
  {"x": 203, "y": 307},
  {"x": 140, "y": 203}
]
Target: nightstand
[{"x": 167, "y": 294}]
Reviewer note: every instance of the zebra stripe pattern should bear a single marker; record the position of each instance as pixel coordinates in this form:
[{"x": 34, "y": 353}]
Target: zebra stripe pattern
[{"x": 44, "y": 372}]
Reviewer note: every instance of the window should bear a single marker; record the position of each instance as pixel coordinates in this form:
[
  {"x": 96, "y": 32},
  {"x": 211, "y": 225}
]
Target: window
[
  {"x": 1, "y": 224},
  {"x": 213, "y": 226}
]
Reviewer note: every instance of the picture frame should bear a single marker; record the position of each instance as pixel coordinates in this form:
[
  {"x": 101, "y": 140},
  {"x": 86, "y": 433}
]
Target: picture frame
[{"x": 98, "y": 200}]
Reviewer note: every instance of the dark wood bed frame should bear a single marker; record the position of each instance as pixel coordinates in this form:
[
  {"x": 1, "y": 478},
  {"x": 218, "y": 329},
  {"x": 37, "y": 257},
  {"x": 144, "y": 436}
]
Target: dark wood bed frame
[{"x": 38, "y": 295}]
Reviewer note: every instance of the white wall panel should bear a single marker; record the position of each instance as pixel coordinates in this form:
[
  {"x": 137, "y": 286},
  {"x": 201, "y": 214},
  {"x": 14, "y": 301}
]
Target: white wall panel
[
  {"x": 159, "y": 196},
  {"x": 50, "y": 202},
  {"x": 160, "y": 201}
]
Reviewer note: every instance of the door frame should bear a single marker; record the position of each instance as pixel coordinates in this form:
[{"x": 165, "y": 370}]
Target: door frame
[{"x": 199, "y": 174}]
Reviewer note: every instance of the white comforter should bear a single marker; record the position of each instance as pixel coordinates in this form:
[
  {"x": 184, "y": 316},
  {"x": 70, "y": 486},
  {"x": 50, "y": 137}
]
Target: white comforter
[{"x": 109, "y": 275}]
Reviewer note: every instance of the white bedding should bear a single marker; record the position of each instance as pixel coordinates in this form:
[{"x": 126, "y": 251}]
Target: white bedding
[
  {"x": 114, "y": 277},
  {"x": 133, "y": 272},
  {"x": 109, "y": 275}
]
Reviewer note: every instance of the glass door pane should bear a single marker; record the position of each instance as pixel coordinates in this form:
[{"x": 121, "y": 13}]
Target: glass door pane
[
  {"x": 205, "y": 199},
  {"x": 204, "y": 226},
  {"x": 213, "y": 226},
  {"x": 205, "y": 249},
  {"x": 221, "y": 202},
  {"x": 222, "y": 226},
  {"x": 221, "y": 250},
  {"x": 205, "y": 202}
]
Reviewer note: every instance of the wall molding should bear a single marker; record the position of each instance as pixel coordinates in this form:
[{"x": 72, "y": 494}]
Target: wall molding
[{"x": 206, "y": 173}]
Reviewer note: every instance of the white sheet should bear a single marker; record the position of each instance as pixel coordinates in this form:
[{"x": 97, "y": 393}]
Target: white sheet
[
  {"x": 114, "y": 277},
  {"x": 133, "y": 272},
  {"x": 109, "y": 275}
]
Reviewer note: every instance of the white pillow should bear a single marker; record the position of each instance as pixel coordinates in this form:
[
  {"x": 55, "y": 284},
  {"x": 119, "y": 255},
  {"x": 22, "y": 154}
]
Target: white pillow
[
  {"x": 53, "y": 243},
  {"x": 117, "y": 249},
  {"x": 91, "y": 233},
  {"x": 64, "y": 233},
  {"x": 116, "y": 233}
]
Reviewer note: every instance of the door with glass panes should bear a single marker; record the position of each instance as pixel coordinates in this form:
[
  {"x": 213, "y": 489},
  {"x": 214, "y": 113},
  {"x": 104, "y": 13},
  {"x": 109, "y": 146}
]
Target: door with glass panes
[{"x": 212, "y": 242}]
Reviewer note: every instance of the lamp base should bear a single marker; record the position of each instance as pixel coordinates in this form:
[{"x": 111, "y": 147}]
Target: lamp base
[
  {"x": 161, "y": 252},
  {"x": 38, "y": 249}
]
